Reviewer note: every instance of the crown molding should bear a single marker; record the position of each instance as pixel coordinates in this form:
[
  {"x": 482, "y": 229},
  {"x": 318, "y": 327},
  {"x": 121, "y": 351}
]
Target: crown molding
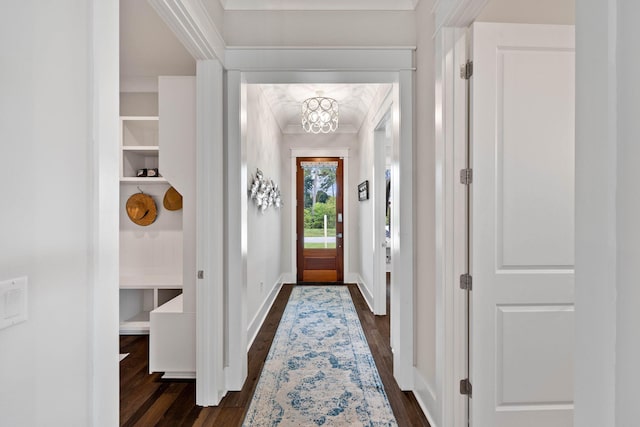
[
  {"x": 296, "y": 129},
  {"x": 456, "y": 13},
  {"x": 319, "y": 5},
  {"x": 191, "y": 23}
]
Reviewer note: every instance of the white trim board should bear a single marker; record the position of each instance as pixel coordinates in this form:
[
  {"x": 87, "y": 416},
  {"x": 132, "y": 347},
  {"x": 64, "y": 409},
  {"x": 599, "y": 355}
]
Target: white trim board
[
  {"x": 102, "y": 158},
  {"x": 323, "y": 5},
  {"x": 366, "y": 293},
  {"x": 425, "y": 396}
]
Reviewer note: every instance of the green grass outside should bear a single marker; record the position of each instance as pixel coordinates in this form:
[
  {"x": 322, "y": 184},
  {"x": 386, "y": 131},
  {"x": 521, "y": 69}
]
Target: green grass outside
[
  {"x": 319, "y": 245},
  {"x": 319, "y": 232}
]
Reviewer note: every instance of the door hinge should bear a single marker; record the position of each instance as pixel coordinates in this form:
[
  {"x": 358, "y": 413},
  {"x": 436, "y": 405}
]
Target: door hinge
[
  {"x": 465, "y": 282},
  {"x": 466, "y": 176},
  {"x": 466, "y": 70},
  {"x": 465, "y": 387}
]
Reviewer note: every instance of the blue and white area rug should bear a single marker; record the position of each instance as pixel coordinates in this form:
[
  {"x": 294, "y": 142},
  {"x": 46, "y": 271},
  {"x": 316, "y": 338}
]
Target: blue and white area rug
[{"x": 319, "y": 370}]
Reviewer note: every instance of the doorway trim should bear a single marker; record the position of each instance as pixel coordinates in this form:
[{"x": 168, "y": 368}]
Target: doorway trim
[
  {"x": 447, "y": 405},
  {"x": 104, "y": 210},
  {"x": 383, "y": 117},
  {"x": 272, "y": 66}
]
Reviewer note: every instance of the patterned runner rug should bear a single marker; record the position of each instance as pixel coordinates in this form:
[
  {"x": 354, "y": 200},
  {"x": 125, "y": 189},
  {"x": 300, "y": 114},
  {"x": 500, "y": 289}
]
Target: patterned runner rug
[{"x": 319, "y": 370}]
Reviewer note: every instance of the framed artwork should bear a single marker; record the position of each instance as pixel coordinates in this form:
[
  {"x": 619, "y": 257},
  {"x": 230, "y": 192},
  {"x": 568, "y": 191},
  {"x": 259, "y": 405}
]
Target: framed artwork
[{"x": 363, "y": 191}]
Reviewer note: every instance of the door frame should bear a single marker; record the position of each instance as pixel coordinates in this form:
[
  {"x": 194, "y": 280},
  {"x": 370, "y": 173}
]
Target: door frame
[
  {"x": 384, "y": 117},
  {"x": 300, "y": 218},
  {"x": 452, "y": 20},
  {"x": 255, "y": 66}
]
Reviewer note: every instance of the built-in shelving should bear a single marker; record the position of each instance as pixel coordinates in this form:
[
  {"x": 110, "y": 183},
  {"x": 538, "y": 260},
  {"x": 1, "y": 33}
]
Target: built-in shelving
[
  {"x": 147, "y": 282},
  {"x": 136, "y": 303},
  {"x": 139, "y": 148}
]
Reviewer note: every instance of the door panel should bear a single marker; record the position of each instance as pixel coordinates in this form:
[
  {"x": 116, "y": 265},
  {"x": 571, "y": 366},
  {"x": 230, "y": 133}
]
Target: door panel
[
  {"x": 319, "y": 217},
  {"x": 522, "y": 215}
]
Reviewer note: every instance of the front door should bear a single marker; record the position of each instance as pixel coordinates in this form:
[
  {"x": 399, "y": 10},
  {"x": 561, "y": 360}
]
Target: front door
[
  {"x": 319, "y": 219},
  {"x": 522, "y": 219}
]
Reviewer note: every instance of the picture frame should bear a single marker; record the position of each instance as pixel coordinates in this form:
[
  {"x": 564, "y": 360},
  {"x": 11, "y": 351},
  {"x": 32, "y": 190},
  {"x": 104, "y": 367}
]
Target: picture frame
[{"x": 363, "y": 191}]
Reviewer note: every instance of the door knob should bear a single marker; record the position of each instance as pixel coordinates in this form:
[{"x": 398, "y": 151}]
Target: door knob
[{"x": 339, "y": 235}]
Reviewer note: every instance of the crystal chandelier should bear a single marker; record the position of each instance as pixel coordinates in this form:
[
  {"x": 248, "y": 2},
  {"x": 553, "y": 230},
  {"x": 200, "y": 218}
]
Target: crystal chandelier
[{"x": 320, "y": 115}]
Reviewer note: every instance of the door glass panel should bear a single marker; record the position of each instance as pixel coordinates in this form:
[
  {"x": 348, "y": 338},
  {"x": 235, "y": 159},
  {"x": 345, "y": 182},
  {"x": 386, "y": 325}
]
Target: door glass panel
[{"x": 320, "y": 213}]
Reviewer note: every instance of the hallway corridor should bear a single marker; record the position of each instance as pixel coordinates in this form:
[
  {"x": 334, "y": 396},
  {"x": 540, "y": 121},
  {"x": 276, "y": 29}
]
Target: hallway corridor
[{"x": 146, "y": 400}]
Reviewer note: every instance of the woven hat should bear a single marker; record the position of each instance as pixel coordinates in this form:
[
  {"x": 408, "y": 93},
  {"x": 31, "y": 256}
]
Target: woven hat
[
  {"x": 172, "y": 200},
  {"x": 141, "y": 209}
]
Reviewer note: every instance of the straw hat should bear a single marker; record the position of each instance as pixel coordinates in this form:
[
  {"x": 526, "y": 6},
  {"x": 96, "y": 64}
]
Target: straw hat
[
  {"x": 172, "y": 200},
  {"x": 141, "y": 209}
]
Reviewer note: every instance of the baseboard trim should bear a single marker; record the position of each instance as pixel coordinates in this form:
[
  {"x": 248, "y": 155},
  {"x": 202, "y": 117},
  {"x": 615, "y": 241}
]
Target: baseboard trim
[
  {"x": 288, "y": 278},
  {"x": 425, "y": 396},
  {"x": 364, "y": 290},
  {"x": 261, "y": 315},
  {"x": 351, "y": 278}
]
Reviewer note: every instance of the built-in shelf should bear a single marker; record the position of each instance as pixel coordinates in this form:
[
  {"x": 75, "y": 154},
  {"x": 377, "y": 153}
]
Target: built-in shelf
[
  {"x": 151, "y": 282},
  {"x": 138, "y": 298},
  {"x": 139, "y": 295},
  {"x": 139, "y": 148},
  {"x": 136, "y": 180}
]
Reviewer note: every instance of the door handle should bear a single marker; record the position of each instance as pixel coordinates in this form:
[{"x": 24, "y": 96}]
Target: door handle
[{"x": 339, "y": 235}]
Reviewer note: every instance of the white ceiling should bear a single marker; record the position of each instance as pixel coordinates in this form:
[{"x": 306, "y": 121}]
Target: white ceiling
[
  {"x": 148, "y": 49},
  {"x": 354, "y": 101},
  {"x": 318, "y": 4}
]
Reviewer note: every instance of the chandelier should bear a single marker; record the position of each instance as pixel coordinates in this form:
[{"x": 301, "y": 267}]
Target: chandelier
[{"x": 320, "y": 115}]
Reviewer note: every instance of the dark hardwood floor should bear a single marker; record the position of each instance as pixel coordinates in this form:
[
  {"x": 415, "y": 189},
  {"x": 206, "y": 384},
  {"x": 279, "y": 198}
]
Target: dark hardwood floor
[{"x": 146, "y": 400}]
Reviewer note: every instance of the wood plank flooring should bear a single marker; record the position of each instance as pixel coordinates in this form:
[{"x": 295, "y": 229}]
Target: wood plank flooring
[{"x": 146, "y": 400}]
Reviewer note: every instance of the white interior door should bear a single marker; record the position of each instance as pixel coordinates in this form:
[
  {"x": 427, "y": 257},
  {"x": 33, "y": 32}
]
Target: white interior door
[{"x": 522, "y": 217}]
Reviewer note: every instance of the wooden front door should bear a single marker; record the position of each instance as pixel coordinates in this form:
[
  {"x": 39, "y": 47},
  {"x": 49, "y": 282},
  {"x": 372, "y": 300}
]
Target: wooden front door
[{"x": 319, "y": 219}]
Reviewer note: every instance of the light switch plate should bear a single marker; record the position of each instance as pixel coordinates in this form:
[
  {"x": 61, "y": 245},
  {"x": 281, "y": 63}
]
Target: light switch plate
[{"x": 13, "y": 302}]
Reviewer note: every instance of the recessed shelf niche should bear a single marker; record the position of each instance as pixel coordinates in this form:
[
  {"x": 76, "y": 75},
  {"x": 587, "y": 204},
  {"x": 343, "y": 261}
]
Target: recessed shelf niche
[{"x": 139, "y": 148}]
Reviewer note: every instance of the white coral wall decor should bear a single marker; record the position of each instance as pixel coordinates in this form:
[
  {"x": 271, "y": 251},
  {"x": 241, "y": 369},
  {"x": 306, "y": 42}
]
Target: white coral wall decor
[{"x": 264, "y": 192}]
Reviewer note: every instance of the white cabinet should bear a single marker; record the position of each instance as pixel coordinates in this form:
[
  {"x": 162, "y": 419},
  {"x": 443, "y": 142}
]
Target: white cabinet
[{"x": 172, "y": 341}]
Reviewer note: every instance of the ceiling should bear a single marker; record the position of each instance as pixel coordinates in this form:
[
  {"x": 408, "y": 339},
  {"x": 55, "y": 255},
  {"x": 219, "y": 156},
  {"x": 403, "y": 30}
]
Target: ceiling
[
  {"x": 148, "y": 49},
  {"x": 318, "y": 5},
  {"x": 354, "y": 102}
]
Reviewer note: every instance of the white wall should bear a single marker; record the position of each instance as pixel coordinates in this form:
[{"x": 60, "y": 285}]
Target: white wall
[
  {"x": 45, "y": 372},
  {"x": 366, "y": 140},
  {"x": 607, "y": 209},
  {"x": 425, "y": 286},
  {"x": 529, "y": 12},
  {"x": 365, "y": 207},
  {"x": 139, "y": 103},
  {"x": 153, "y": 250},
  {"x": 177, "y": 138},
  {"x": 319, "y": 28},
  {"x": 265, "y": 246},
  {"x": 628, "y": 212},
  {"x": 352, "y": 226}
]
